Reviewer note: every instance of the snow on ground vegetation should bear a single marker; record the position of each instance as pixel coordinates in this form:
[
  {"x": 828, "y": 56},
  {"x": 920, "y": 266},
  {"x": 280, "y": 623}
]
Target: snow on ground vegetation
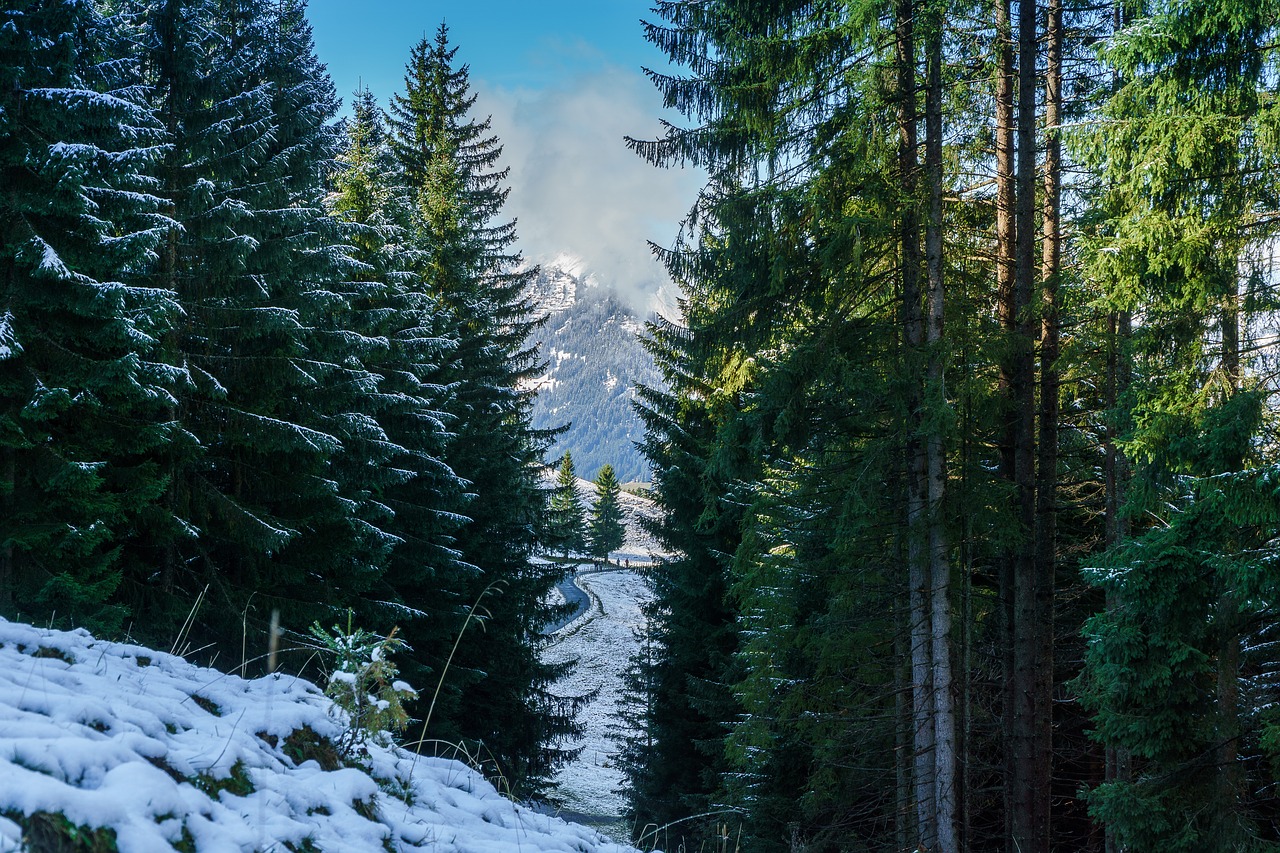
[
  {"x": 603, "y": 641},
  {"x": 118, "y": 747}
]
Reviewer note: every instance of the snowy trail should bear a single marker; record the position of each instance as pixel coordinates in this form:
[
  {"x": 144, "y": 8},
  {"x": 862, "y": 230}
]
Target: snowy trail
[
  {"x": 603, "y": 646},
  {"x": 574, "y": 595}
]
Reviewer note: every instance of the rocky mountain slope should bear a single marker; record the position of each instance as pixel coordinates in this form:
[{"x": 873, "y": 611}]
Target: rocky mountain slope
[{"x": 594, "y": 360}]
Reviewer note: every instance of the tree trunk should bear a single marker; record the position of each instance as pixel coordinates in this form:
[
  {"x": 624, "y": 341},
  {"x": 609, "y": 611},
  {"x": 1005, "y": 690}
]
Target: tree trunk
[
  {"x": 904, "y": 744},
  {"x": 913, "y": 340},
  {"x": 1117, "y": 528},
  {"x": 1115, "y": 474},
  {"x": 1006, "y": 308},
  {"x": 936, "y": 463},
  {"x": 1227, "y": 617},
  {"x": 1030, "y": 780},
  {"x": 1047, "y": 446}
]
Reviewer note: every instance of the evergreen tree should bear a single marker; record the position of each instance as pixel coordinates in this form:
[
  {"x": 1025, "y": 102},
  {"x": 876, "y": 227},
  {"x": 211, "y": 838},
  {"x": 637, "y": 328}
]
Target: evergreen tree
[
  {"x": 396, "y": 454},
  {"x": 496, "y": 693},
  {"x": 674, "y": 771},
  {"x": 82, "y": 395},
  {"x": 253, "y": 512},
  {"x": 606, "y": 531},
  {"x": 566, "y": 527},
  {"x": 1173, "y": 672}
]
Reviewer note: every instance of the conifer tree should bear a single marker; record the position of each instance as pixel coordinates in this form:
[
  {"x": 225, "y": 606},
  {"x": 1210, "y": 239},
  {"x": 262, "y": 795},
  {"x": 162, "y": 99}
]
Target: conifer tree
[
  {"x": 567, "y": 519},
  {"x": 1186, "y": 175},
  {"x": 606, "y": 531},
  {"x": 409, "y": 493},
  {"x": 497, "y": 690},
  {"x": 82, "y": 397},
  {"x": 673, "y": 773},
  {"x": 252, "y": 509},
  {"x": 783, "y": 275}
]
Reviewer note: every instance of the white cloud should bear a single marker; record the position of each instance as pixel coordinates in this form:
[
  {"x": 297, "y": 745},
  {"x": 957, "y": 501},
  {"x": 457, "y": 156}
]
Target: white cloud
[{"x": 577, "y": 188}]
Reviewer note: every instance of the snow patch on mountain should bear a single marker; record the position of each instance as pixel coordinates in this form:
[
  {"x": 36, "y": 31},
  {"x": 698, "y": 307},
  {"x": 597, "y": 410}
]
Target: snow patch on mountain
[{"x": 590, "y": 342}]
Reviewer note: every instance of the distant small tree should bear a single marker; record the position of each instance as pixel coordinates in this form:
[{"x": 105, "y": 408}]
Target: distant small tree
[
  {"x": 565, "y": 530},
  {"x": 606, "y": 531}
]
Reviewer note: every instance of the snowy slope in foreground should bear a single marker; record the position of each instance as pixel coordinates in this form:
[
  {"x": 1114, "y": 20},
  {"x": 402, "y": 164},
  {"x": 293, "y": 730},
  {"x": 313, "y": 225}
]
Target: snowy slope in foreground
[{"x": 170, "y": 755}]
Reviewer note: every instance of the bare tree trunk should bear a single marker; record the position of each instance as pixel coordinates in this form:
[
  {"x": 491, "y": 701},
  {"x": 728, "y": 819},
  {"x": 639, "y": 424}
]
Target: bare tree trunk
[
  {"x": 1006, "y": 239},
  {"x": 936, "y": 464},
  {"x": 1026, "y": 781},
  {"x": 913, "y": 340},
  {"x": 1047, "y": 446},
  {"x": 1115, "y": 478},
  {"x": 903, "y": 740}
]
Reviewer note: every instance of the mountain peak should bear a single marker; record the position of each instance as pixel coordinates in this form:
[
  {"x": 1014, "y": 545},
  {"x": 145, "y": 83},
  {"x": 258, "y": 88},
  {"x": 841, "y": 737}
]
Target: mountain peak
[{"x": 594, "y": 360}]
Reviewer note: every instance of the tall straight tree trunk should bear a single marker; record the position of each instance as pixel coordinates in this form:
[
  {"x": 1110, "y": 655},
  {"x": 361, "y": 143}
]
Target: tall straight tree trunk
[
  {"x": 904, "y": 743},
  {"x": 1006, "y": 308},
  {"x": 1030, "y": 780},
  {"x": 913, "y": 340},
  {"x": 1047, "y": 447},
  {"x": 944, "y": 716}
]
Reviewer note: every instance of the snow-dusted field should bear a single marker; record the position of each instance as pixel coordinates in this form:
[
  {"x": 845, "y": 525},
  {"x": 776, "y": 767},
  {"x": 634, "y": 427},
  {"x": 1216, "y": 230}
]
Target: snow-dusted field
[
  {"x": 167, "y": 755},
  {"x": 603, "y": 641}
]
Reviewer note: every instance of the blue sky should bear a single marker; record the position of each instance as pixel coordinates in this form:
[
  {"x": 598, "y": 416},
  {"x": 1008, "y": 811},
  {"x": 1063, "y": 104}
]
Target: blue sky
[
  {"x": 563, "y": 84},
  {"x": 507, "y": 44}
]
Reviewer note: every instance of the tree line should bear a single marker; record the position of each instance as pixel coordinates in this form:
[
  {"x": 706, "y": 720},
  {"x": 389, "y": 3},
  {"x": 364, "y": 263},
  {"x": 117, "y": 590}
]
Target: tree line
[
  {"x": 570, "y": 528},
  {"x": 968, "y": 448},
  {"x": 253, "y": 359}
]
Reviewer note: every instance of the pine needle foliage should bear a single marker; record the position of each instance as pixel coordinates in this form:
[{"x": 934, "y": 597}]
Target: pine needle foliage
[{"x": 498, "y": 694}]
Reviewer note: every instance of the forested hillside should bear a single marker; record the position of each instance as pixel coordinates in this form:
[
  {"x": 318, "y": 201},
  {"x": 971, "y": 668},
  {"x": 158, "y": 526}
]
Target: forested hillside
[
  {"x": 969, "y": 449},
  {"x": 590, "y": 342},
  {"x": 262, "y": 365},
  {"x": 963, "y": 444}
]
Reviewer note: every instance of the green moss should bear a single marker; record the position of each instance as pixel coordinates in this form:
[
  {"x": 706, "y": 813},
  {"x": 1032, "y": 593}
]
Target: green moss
[
  {"x": 55, "y": 654},
  {"x": 305, "y": 744},
  {"x": 142, "y": 660},
  {"x": 48, "y": 832},
  {"x": 207, "y": 704},
  {"x": 237, "y": 783}
]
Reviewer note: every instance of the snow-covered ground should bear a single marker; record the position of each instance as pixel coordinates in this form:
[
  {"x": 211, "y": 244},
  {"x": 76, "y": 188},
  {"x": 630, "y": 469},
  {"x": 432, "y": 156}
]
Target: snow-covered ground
[
  {"x": 167, "y": 755},
  {"x": 603, "y": 641}
]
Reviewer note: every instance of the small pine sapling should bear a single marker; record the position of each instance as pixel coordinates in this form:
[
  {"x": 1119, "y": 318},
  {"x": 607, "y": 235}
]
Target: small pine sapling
[{"x": 363, "y": 683}]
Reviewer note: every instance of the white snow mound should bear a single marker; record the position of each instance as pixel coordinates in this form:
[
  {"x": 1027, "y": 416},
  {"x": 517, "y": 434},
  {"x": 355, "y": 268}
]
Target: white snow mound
[{"x": 168, "y": 755}]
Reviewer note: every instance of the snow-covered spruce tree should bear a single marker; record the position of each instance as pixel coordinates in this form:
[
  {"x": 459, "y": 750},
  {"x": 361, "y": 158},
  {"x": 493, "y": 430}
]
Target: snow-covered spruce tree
[
  {"x": 496, "y": 696},
  {"x": 606, "y": 532},
  {"x": 81, "y": 397},
  {"x": 411, "y": 491},
  {"x": 566, "y": 518},
  {"x": 253, "y": 509}
]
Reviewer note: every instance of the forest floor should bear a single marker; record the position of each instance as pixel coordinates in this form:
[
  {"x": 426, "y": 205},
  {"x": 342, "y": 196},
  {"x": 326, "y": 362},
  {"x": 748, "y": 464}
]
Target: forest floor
[{"x": 113, "y": 746}]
